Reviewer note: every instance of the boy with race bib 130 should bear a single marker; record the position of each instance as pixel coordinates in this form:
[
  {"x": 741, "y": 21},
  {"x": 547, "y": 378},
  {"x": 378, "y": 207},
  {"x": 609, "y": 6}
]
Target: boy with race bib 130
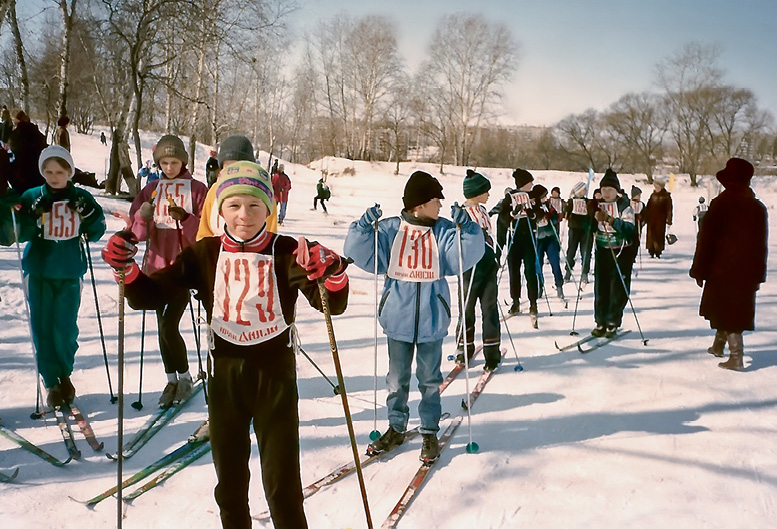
[{"x": 416, "y": 250}]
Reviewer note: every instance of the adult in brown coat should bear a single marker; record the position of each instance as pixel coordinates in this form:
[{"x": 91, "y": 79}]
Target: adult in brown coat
[
  {"x": 730, "y": 260},
  {"x": 657, "y": 215}
]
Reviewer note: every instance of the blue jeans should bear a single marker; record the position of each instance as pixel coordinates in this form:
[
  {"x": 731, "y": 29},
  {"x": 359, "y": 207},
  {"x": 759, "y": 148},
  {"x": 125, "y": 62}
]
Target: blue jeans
[
  {"x": 428, "y": 359},
  {"x": 282, "y": 212}
]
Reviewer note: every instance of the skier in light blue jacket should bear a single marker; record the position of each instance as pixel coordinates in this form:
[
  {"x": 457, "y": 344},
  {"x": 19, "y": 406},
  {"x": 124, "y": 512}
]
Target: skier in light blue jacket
[{"x": 416, "y": 250}]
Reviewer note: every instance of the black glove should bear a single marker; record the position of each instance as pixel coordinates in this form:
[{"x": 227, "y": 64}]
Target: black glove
[
  {"x": 82, "y": 206},
  {"x": 42, "y": 204},
  {"x": 178, "y": 213}
]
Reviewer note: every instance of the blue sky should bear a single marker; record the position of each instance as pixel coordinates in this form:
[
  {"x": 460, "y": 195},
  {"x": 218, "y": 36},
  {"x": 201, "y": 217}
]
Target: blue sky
[{"x": 577, "y": 54}]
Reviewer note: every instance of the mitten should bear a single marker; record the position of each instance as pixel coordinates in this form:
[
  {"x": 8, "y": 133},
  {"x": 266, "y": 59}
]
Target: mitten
[
  {"x": 146, "y": 210},
  {"x": 42, "y": 204},
  {"x": 459, "y": 215},
  {"x": 317, "y": 260},
  {"x": 178, "y": 213},
  {"x": 82, "y": 206},
  {"x": 370, "y": 216},
  {"x": 120, "y": 250}
]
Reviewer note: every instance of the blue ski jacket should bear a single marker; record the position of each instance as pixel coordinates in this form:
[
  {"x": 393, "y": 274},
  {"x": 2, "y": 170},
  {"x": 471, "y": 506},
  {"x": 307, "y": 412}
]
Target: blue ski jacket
[{"x": 415, "y": 312}]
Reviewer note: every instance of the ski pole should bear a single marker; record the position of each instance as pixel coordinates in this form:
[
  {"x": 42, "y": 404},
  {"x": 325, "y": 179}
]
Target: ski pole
[
  {"x": 343, "y": 395},
  {"x": 519, "y": 367},
  {"x": 471, "y": 447},
  {"x": 335, "y": 388},
  {"x": 583, "y": 255},
  {"x": 628, "y": 296},
  {"x": 88, "y": 252},
  {"x": 374, "y": 434},
  {"x": 138, "y": 404},
  {"x": 461, "y": 330},
  {"x": 38, "y": 397},
  {"x": 120, "y": 436}
]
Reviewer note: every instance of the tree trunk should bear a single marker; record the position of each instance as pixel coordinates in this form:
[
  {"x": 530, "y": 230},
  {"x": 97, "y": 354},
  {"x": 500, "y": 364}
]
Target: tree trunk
[
  {"x": 199, "y": 96},
  {"x": 64, "y": 69},
  {"x": 20, "y": 57}
]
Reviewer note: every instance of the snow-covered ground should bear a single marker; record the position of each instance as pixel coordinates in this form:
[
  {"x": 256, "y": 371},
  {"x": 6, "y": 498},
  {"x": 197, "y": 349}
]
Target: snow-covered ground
[{"x": 626, "y": 436}]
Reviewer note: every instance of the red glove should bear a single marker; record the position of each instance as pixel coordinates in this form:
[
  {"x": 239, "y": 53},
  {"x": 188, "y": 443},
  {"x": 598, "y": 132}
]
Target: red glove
[
  {"x": 120, "y": 250},
  {"x": 318, "y": 261}
]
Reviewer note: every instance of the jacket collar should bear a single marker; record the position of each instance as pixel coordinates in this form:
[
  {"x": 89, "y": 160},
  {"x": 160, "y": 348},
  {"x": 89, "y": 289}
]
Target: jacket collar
[{"x": 256, "y": 244}]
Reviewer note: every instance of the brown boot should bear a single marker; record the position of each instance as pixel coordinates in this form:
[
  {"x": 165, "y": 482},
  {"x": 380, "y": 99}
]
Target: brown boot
[
  {"x": 718, "y": 344},
  {"x": 736, "y": 350}
]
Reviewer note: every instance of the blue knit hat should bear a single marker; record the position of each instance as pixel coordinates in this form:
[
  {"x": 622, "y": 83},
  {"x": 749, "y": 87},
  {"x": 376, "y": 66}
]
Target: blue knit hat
[{"x": 475, "y": 184}]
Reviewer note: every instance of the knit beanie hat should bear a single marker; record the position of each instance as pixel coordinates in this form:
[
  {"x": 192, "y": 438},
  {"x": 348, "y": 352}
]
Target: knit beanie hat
[
  {"x": 236, "y": 147},
  {"x": 420, "y": 188},
  {"x": 170, "y": 146},
  {"x": 538, "y": 192},
  {"x": 578, "y": 188},
  {"x": 635, "y": 191},
  {"x": 244, "y": 178},
  {"x": 522, "y": 177},
  {"x": 56, "y": 151},
  {"x": 610, "y": 179},
  {"x": 475, "y": 184}
]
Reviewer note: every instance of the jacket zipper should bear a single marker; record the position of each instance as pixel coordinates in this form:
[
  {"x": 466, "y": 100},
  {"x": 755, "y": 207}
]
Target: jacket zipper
[{"x": 417, "y": 310}]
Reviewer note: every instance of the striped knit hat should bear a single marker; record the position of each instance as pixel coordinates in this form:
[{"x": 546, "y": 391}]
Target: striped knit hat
[
  {"x": 578, "y": 188},
  {"x": 244, "y": 178}
]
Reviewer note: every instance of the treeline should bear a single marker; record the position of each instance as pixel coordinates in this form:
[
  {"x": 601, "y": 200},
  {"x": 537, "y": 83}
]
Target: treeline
[{"x": 208, "y": 68}]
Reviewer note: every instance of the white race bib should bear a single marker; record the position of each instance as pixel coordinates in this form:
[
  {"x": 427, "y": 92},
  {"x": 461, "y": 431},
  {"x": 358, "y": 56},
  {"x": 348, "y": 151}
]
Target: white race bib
[
  {"x": 611, "y": 208},
  {"x": 61, "y": 223},
  {"x": 557, "y": 204},
  {"x": 579, "y": 207},
  {"x": 246, "y": 305},
  {"x": 179, "y": 191},
  {"x": 523, "y": 199},
  {"x": 636, "y": 205},
  {"x": 479, "y": 214},
  {"x": 414, "y": 254}
]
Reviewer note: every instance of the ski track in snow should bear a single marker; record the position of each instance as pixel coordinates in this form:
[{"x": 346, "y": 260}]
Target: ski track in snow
[{"x": 625, "y": 436}]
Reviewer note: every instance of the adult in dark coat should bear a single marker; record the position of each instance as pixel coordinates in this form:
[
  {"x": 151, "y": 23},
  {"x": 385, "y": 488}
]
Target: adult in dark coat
[
  {"x": 6, "y": 125},
  {"x": 26, "y": 142},
  {"x": 61, "y": 135},
  {"x": 657, "y": 215},
  {"x": 730, "y": 260}
]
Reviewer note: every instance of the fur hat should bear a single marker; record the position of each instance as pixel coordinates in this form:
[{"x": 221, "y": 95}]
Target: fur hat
[
  {"x": 737, "y": 172},
  {"x": 635, "y": 191},
  {"x": 475, "y": 184},
  {"x": 610, "y": 179},
  {"x": 522, "y": 177},
  {"x": 420, "y": 188},
  {"x": 170, "y": 146},
  {"x": 244, "y": 178},
  {"x": 578, "y": 188},
  {"x": 55, "y": 151},
  {"x": 236, "y": 147}
]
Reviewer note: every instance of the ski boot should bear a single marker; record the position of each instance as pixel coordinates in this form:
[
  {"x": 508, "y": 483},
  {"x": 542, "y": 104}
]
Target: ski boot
[
  {"x": 184, "y": 389},
  {"x": 533, "y": 316},
  {"x": 584, "y": 279},
  {"x": 387, "y": 441},
  {"x": 54, "y": 398},
  {"x": 515, "y": 308},
  {"x": 599, "y": 331},
  {"x": 430, "y": 450},
  {"x": 610, "y": 331},
  {"x": 68, "y": 391},
  {"x": 168, "y": 395},
  {"x": 568, "y": 275}
]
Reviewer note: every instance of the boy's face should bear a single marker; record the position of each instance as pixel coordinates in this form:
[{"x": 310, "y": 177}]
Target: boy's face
[
  {"x": 244, "y": 215},
  {"x": 555, "y": 194},
  {"x": 428, "y": 210},
  {"x": 480, "y": 199},
  {"x": 56, "y": 176},
  {"x": 609, "y": 194},
  {"x": 170, "y": 166}
]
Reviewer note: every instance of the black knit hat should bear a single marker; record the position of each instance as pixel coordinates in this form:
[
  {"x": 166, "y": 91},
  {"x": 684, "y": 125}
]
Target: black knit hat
[
  {"x": 635, "y": 191},
  {"x": 475, "y": 184},
  {"x": 538, "y": 192},
  {"x": 420, "y": 188},
  {"x": 610, "y": 179},
  {"x": 236, "y": 147},
  {"x": 522, "y": 177},
  {"x": 170, "y": 146}
]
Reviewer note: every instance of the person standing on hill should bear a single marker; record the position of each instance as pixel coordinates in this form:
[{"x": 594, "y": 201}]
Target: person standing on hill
[
  {"x": 211, "y": 169},
  {"x": 281, "y": 185},
  {"x": 26, "y": 142},
  {"x": 657, "y": 215},
  {"x": 730, "y": 260},
  {"x": 521, "y": 247},
  {"x": 580, "y": 236},
  {"x": 166, "y": 214},
  {"x": 614, "y": 220},
  {"x": 6, "y": 125},
  {"x": 61, "y": 135},
  {"x": 416, "y": 250}
]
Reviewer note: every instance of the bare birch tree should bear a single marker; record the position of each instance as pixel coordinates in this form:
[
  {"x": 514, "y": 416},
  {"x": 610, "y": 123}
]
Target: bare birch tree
[{"x": 68, "y": 13}]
